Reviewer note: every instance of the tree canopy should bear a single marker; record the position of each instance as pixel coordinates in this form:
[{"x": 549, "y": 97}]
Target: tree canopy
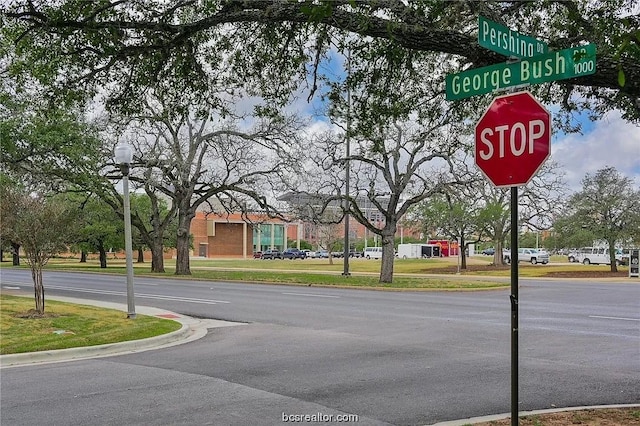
[
  {"x": 608, "y": 206},
  {"x": 217, "y": 49}
]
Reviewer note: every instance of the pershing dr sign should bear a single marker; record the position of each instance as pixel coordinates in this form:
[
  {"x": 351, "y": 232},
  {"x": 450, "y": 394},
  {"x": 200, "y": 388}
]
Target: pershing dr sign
[{"x": 505, "y": 41}]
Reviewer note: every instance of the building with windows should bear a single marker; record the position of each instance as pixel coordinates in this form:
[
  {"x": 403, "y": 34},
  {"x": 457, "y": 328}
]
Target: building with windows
[
  {"x": 240, "y": 235},
  {"x": 235, "y": 235}
]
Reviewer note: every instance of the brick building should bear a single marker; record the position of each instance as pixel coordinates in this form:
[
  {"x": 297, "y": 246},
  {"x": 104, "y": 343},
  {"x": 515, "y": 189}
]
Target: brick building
[{"x": 237, "y": 235}]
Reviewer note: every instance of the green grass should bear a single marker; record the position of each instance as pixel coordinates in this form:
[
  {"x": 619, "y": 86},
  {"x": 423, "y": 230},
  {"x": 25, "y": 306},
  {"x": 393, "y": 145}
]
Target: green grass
[
  {"x": 314, "y": 272},
  {"x": 409, "y": 274},
  {"x": 78, "y": 325}
]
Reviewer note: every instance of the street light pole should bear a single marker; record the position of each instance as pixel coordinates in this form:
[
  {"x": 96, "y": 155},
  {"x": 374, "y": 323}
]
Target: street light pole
[
  {"x": 347, "y": 216},
  {"x": 123, "y": 156}
]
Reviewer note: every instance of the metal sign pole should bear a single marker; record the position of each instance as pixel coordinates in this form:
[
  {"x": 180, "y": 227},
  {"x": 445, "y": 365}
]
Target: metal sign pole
[{"x": 514, "y": 306}]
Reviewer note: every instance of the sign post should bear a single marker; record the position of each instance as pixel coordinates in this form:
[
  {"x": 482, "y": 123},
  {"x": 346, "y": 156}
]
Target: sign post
[
  {"x": 634, "y": 263},
  {"x": 513, "y": 136},
  {"x": 513, "y": 140}
]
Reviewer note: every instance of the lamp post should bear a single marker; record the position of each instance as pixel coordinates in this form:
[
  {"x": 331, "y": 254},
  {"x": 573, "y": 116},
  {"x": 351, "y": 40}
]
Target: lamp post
[
  {"x": 347, "y": 217},
  {"x": 123, "y": 156}
]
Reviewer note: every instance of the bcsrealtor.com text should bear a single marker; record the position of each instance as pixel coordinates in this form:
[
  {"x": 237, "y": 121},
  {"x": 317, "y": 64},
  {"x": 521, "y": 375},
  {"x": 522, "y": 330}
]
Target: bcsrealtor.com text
[{"x": 319, "y": 418}]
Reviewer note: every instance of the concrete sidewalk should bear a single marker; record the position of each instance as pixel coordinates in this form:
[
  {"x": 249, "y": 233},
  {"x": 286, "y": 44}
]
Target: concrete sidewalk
[{"x": 192, "y": 329}]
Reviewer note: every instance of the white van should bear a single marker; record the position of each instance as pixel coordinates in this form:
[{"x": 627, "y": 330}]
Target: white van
[
  {"x": 373, "y": 253},
  {"x": 597, "y": 255}
]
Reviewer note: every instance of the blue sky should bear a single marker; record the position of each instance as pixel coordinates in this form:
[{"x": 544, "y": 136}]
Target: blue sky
[{"x": 610, "y": 141}]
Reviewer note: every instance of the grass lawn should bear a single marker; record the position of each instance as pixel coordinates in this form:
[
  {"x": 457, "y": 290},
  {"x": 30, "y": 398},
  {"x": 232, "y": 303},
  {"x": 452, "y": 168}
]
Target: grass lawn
[
  {"x": 410, "y": 274},
  {"x": 290, "y": 271},
  {"x": 67, "y": 325}
]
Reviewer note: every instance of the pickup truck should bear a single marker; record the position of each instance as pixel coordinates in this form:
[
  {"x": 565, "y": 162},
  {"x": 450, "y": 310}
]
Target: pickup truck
[{"x": 528, "y": 255}]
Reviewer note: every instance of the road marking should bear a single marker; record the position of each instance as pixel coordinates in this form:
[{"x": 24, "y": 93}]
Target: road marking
[
  {"x": 312, "y": 295},
  {"x": 141, "y": 295},
  {"x": 614, "y": 318},
  {"x": 11, "y": 288}
]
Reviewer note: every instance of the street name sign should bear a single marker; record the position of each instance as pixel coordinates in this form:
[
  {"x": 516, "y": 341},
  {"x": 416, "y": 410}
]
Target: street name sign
[
  {"x": 513, "y": 139},
  {"x": 498, "y": 38},
  {"x": 552, "y": 66}
]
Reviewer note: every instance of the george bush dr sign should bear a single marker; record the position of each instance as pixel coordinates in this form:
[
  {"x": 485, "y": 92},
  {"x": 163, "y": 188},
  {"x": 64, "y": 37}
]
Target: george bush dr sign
[{"x": 513, "y": 139}]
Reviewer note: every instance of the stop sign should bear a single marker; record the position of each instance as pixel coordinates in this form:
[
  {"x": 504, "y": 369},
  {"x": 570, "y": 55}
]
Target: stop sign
[{"x": 513, "y": 139}]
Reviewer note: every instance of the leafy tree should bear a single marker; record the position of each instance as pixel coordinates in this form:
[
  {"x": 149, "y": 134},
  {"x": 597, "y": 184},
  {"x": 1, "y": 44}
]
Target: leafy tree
[
  {"x": 608, "y": 206},
  {"x": 267, "y": 47},
  {"x": 41, "y": 226},
  {"x": 570, "y": 234},
  {"x": 100, "y": 228},
  {"x": 9, "y": 191},
  {"x": 529, "y": 239},
  {"x": 458, "y": 212},
  {"x": 46, "y": 147},
  {"x": 538, "y": 202},
  {"x": 155, "y": 224},
  {"x": 454, "y": 216}
]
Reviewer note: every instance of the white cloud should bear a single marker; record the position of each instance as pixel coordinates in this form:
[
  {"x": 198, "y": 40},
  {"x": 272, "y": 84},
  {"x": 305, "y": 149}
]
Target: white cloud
[{"x": 611, "y": 142}]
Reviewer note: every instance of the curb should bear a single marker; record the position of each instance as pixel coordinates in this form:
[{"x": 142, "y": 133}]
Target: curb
[
  {"x": 494, "y": 417},
  {"x": 84, "y": 352},
  {"x": 192, "y": 329}
]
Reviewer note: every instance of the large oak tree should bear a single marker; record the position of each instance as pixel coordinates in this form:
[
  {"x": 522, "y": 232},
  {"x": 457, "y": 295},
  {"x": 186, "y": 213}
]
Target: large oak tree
[{"x": 268, "y": 47}]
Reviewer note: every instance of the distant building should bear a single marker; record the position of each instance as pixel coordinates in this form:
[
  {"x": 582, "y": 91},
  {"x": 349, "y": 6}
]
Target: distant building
[{"x": 240, "y": 235}]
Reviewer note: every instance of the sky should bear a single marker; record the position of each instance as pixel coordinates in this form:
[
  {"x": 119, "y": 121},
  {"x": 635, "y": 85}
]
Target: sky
[{"x": 610, "y": 141}]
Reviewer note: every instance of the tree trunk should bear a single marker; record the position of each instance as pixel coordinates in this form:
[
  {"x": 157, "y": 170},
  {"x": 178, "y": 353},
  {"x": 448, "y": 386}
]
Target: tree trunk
[
  {"x": 103, "y": 256},
  {"x": 462, "y": 249},
  {"x": 388, "y": 256},
  {"x": 83, "y": 256},
  {"x": 157, "y": 252},
  {"x": 140, "y": 255},
  {"x": 38, "y": 287},
  {"x": 498, "y": 258},
  {"x": 183, "y": 244},
  {"x": 612, "y": 257},
  {"x": 16, "y": 253}
]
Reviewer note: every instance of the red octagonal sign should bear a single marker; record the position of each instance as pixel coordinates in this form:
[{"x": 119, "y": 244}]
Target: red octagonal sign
[{"x": 513, "y": 139}]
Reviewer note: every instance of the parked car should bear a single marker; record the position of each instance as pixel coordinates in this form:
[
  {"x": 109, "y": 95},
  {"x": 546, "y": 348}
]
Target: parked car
[
  {"x": 257, "y": 254},
  {"x": 489, "y": 251},
  {"x": 528, "y": 255},
  {"x": 293, "y": 253},
  {"x": 322, "y": 254},
  {"x": 355, "y": 253},
  {"x": 271, "y": 254},
  {"x": 572, "y": 256}
]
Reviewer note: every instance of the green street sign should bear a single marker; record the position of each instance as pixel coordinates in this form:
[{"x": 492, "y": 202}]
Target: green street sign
[
  {"x": 505, "y": 41},
  {"x": 552, "y": 66}
]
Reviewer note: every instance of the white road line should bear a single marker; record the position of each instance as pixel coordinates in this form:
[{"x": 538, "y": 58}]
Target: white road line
[
  {"x": 312, "y": 295},
  {"x": 614, "y": 318},
  {"x": 141, "y": 295},
  {"x": 11, "y": 288}
]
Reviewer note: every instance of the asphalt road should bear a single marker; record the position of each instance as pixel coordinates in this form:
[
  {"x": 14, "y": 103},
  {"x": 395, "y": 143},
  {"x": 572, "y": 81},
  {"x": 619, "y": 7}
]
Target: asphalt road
[{"x": 401, "y": 358}]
